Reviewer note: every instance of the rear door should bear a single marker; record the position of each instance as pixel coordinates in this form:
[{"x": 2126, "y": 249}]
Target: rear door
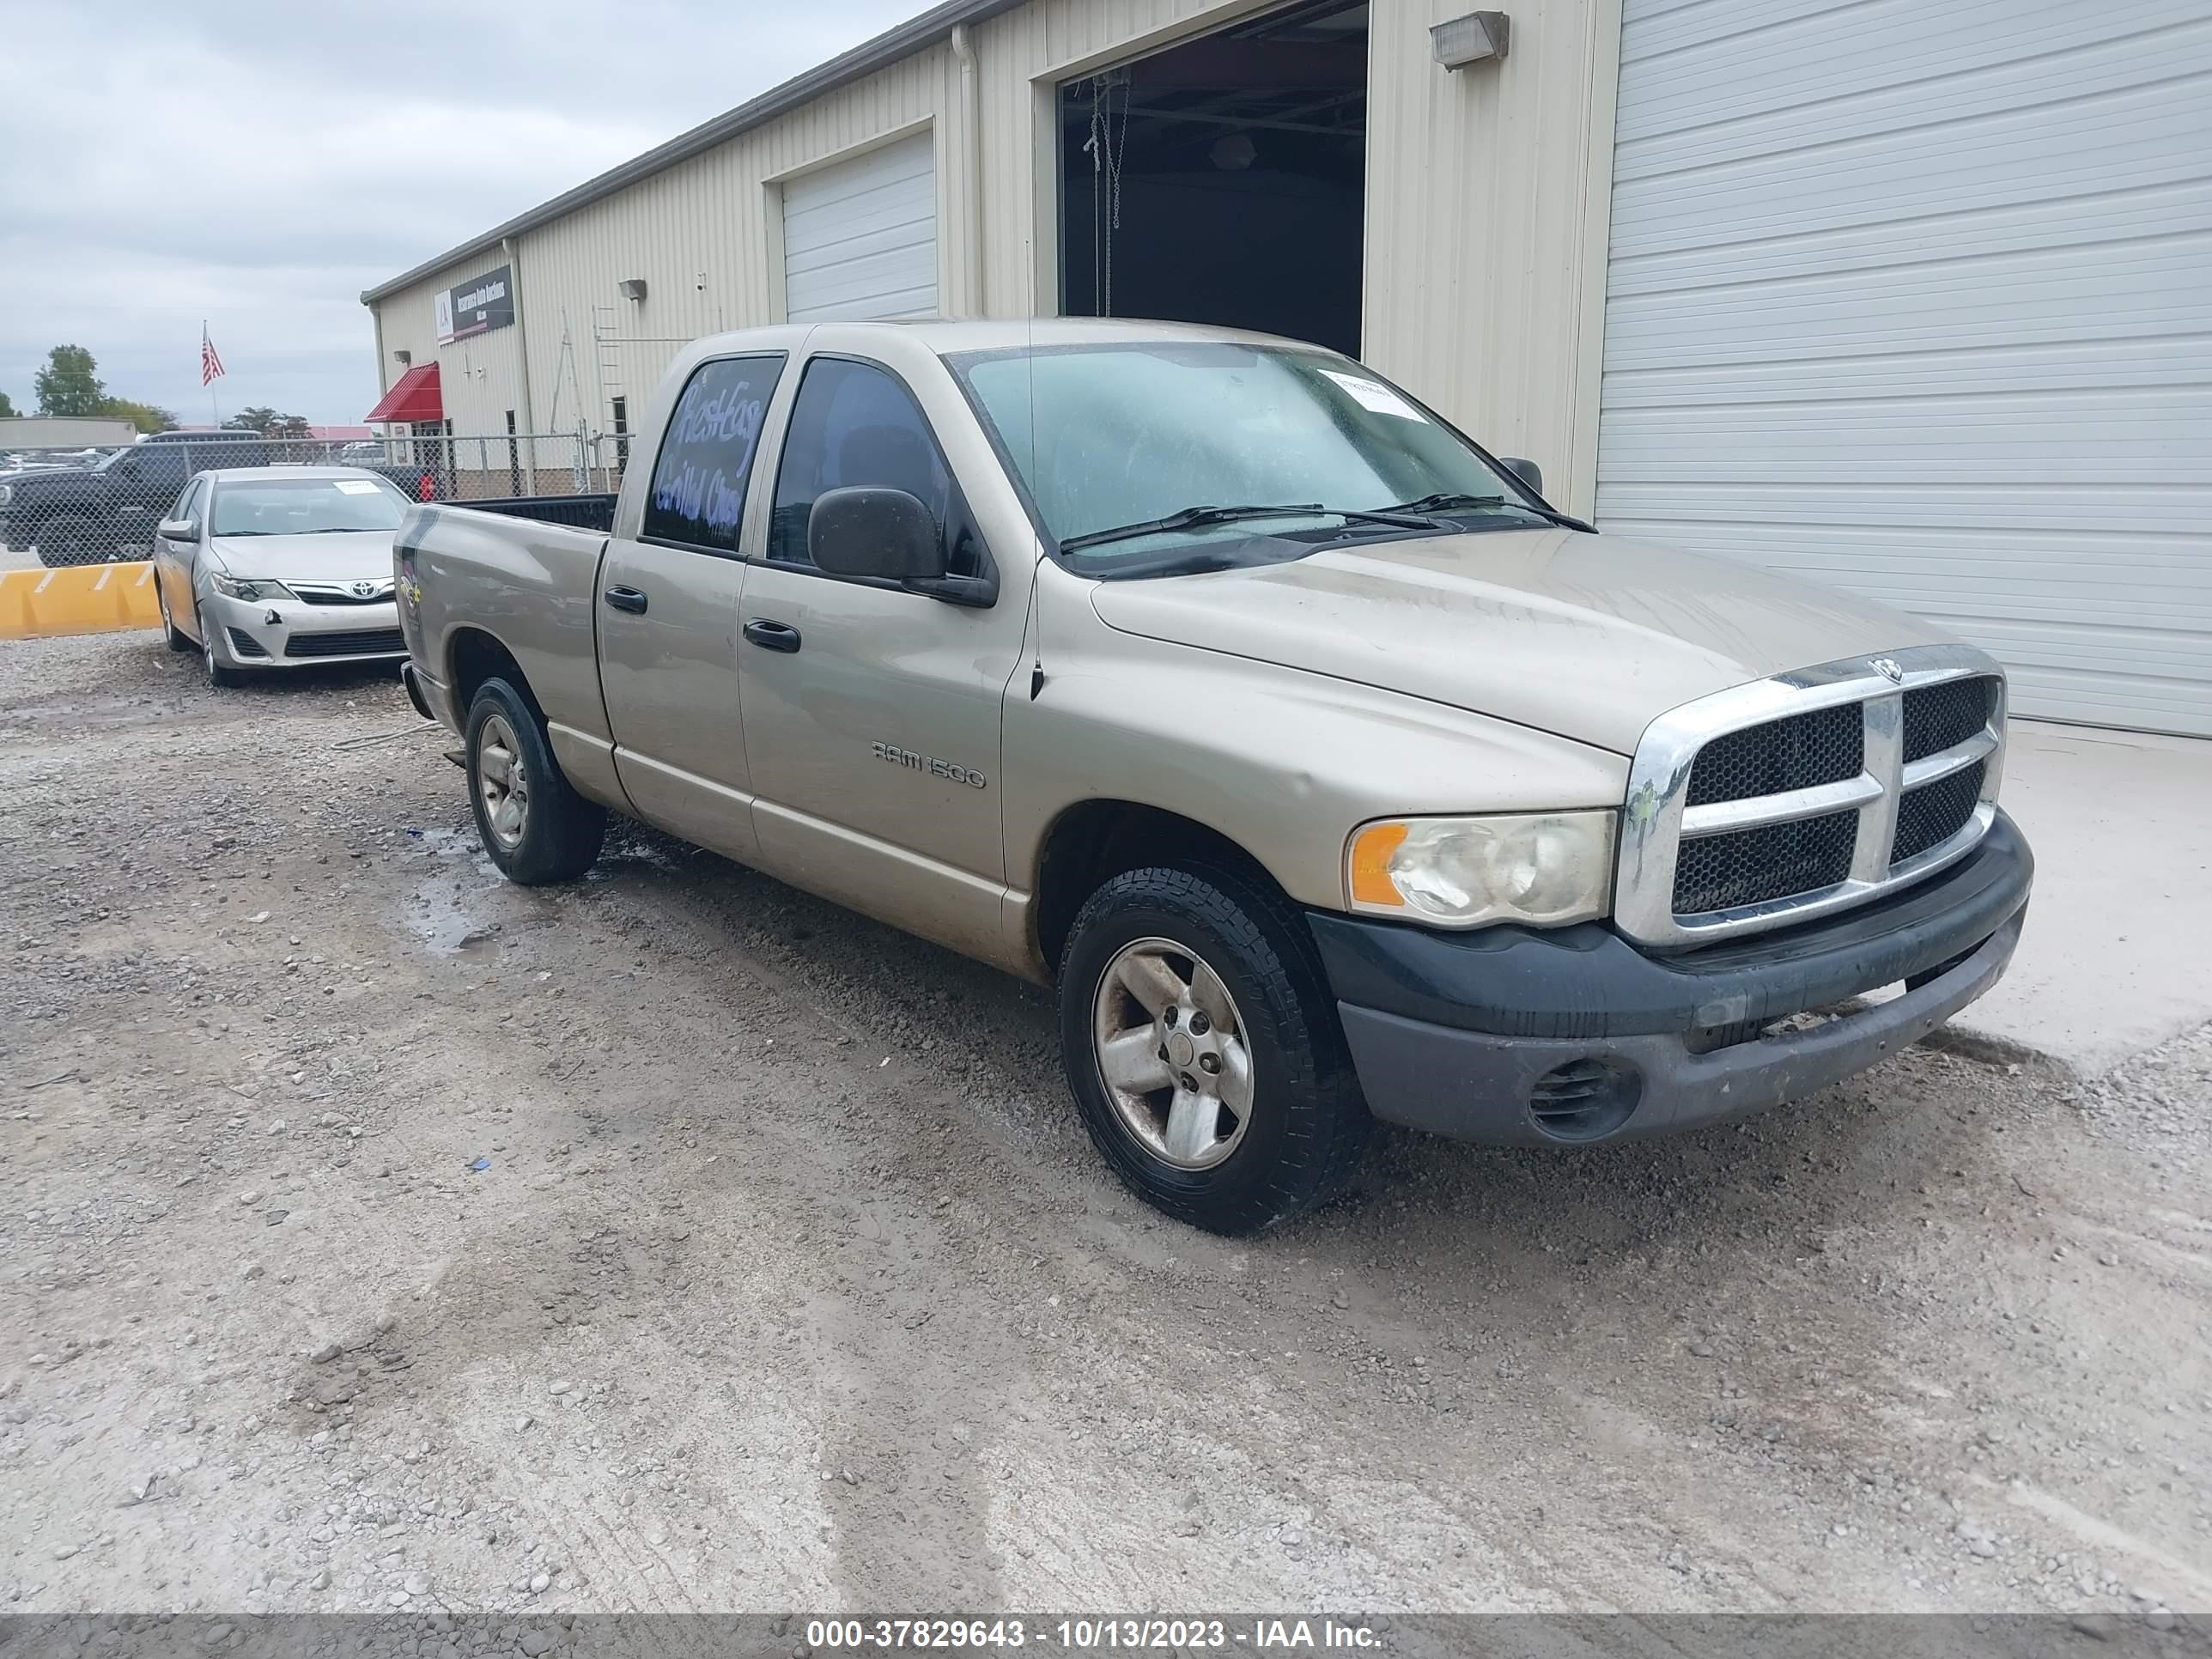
[{"x": 667, "y": 612}]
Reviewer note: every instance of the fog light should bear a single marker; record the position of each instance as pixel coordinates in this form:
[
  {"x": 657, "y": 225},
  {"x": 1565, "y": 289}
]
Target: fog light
[{"x": 1585, "y": 1099}]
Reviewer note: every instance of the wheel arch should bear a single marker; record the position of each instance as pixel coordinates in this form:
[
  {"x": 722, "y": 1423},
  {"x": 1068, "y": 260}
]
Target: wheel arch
[
  {"x": 474, "y": 655},
  {"x": 1092, "y": 842}
]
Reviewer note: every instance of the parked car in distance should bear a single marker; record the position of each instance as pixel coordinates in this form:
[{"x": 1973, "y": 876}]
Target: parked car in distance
[
  {"x": 279, "y": 567},
  {"x": 1325, "y": 771},
  {"x": 108, "y": 510}
]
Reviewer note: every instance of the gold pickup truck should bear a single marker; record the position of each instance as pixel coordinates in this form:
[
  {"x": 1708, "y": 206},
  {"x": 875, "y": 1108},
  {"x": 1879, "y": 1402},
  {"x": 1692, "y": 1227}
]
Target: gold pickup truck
[{"x": 1325, "y": 771}]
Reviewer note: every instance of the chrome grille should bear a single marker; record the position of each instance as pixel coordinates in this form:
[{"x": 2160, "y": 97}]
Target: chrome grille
[
  {"x": 1773, "y": 802},
  {"x": 379, "y": 592},
  {"x": 1932, "y": 814},
  {"x": 1749, "y": 867},
  {"x": 1826, "y": 746}
]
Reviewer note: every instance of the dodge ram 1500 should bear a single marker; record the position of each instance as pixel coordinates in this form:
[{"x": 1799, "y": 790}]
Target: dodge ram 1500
[{"x": 1325, "y": 771}]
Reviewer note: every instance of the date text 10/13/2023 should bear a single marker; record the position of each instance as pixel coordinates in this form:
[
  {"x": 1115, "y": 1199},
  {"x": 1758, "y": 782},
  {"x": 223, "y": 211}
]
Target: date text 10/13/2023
[{"x": 1251, "y": 1634}]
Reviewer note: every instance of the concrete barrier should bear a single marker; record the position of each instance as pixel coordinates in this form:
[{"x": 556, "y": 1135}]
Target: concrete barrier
[{"x": 83, "y": 599}]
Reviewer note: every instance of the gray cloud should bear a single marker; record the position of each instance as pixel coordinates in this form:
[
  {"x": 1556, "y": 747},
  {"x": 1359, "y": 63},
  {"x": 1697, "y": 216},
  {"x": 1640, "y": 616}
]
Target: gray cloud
[{"x": 257, "y": 164}]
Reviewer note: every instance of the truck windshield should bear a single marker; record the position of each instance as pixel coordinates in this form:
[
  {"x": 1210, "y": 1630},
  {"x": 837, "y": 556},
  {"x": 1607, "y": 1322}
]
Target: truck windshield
[
  {"x": 304, "y": 506},
  {"x": 1127, "y": 449}
]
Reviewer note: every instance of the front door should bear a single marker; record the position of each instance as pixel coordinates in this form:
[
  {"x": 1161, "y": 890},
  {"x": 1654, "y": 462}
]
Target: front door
[
  {"x": 871, "y": 713},
  {"x": 174, "y": 561},
  {"x": 667, "y": 607}
]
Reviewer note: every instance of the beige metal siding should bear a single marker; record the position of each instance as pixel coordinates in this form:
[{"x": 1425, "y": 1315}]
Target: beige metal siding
[
  {"x": 1487, "y": 206},
  {"x": 1484, "y": 234}
]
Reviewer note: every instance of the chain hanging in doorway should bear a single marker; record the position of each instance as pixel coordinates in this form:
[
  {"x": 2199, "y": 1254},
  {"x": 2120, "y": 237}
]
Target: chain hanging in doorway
[{"x": 1106, "y": 145}]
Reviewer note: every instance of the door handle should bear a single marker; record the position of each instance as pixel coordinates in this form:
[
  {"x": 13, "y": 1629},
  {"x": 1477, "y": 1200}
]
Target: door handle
[
  {"x": 772, "y": 635},
  {"x": 626, "y": 599}
]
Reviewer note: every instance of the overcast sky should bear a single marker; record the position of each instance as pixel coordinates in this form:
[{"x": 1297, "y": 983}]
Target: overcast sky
[{"x": 259, "y": 165}]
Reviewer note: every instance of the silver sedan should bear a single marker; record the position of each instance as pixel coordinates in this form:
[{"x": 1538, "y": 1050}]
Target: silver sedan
[{"x": 280, "y": 567}]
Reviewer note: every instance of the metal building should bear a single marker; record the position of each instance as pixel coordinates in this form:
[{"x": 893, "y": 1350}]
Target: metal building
[{"x": 1907, "y": 296}]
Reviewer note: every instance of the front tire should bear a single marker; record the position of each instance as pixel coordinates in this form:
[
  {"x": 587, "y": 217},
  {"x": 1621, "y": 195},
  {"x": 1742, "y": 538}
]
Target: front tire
[
  {"x": 221, "y": 676},
  {"x": 1202, "y": 1045},
  {"x": 535, "y": 827}
]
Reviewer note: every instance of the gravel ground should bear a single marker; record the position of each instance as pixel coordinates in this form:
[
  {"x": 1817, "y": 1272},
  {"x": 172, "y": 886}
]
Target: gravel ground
[{"x": 377, "y": 1235}]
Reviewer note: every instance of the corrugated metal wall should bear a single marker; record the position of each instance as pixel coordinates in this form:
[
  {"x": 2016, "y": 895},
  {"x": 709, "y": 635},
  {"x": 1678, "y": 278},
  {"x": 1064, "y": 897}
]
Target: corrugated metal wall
[{"x": 1483, "y": 268}]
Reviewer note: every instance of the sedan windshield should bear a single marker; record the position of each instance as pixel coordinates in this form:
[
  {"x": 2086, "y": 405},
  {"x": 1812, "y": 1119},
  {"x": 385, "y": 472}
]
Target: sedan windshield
[
  {"x": 304, "y": 507},
  {"x": 1131, "y": 449}
]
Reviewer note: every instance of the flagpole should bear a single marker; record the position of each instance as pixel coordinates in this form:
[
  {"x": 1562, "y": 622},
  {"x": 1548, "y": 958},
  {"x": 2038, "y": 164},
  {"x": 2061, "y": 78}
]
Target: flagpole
[{"x": 214, "y": 419}]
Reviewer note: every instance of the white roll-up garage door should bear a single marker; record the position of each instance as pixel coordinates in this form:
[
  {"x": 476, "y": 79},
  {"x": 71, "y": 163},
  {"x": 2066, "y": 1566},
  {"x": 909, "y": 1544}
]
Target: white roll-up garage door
[
  {"x": 860, "y": 237},
  {"x": 1916, "y": 298}
]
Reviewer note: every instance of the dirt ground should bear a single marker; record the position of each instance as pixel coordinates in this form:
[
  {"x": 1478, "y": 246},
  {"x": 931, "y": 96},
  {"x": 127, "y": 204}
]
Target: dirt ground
[{"x": 375, "y": 1234}]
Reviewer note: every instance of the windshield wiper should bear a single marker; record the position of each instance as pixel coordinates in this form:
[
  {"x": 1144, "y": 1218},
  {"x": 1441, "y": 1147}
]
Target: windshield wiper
[
  {"x": 1191, "y": 518},
  {"x": 1448, "y": 500},
  {"x": 1452, "y": 501}
]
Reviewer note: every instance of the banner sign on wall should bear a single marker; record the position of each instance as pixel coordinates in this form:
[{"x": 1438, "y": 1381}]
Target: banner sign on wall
[{"x": 475, "y": 306}]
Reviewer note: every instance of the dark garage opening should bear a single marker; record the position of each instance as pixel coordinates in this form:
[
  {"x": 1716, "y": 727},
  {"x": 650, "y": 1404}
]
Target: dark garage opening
[{"x": 1222, "y": 180}]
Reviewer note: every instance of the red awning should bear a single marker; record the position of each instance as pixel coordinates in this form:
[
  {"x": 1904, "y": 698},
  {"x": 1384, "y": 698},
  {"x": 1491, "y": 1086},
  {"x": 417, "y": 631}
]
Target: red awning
[{"x": 415, "y": 398}]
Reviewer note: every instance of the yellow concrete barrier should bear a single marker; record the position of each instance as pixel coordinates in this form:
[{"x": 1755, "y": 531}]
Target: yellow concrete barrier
[{"x": 83, "y": 599}]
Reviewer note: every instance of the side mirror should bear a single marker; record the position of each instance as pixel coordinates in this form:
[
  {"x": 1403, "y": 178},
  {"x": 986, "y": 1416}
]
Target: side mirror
[
  {"x": 883, "y": 534},
  {"x": 1527, "y": 472},
  {"x": 179, "y": 530}
]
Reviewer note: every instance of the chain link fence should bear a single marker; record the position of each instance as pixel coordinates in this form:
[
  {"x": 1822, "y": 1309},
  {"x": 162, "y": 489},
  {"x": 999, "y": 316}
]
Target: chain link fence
[{"x": 78, "y": 506}]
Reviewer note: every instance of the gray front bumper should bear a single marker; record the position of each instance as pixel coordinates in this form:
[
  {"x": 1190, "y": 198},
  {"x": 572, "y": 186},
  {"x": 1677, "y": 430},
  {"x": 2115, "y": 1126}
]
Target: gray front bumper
[
  {"x": 327, "y": 624},
  {"x": 1477, "y": 1086}
]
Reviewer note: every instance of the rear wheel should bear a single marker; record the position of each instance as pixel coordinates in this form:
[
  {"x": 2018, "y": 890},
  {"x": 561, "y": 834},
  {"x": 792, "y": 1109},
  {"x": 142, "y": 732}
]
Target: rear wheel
[
  {"x": 535, "y": 827},
  {"x": 1202, "y": 1046},
  {"x": 70, "y": 539},
  {"x": 172, "y": 635}
]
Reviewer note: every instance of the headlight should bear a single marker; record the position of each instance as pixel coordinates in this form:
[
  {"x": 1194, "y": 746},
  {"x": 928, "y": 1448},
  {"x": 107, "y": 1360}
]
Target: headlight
[
  {"x": 239, "y": 587},
  {"x": 7, "y": 494},
  {"x": 1542, "y": 868}
]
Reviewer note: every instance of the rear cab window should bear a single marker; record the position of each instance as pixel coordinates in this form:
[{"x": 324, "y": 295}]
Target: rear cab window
[{"x": 697, "y": 499}]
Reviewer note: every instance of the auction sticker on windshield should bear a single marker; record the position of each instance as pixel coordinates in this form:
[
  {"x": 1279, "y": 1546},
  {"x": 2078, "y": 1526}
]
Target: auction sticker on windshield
[
  {"x": 358, "y": 487},
  {"x": 1372, "y": 394}
]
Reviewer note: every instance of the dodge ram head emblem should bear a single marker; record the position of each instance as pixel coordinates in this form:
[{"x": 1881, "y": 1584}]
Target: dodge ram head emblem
[
  {"x": 1887, "y": 668},
  {"x": 362, "y": 590}
]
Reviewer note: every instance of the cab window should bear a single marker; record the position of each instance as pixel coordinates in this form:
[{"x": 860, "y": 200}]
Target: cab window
[
  {"x": 855, "y": 424},
  {"x": 698, "y": 496}
]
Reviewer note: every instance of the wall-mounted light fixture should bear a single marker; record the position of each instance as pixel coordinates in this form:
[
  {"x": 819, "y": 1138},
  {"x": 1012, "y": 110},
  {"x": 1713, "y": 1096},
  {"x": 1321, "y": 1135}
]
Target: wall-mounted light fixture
[
  {"x": 403, "y": 358},
  {"x": 631, "y": 288},
  {"x": 1471, "y": 39}
]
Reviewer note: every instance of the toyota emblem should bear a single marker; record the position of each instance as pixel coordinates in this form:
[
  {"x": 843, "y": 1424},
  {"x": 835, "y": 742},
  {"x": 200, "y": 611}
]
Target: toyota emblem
[
  {"x": 1888, "y": 669},
  {"x": 363, "y": 590}
]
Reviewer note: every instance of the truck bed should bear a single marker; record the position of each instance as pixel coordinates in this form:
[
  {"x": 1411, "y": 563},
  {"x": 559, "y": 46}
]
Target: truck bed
[{"x": 579, "y": 511}]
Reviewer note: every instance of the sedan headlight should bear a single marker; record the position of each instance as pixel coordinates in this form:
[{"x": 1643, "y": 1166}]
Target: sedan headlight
[
  {"x": 1545, "y": 869},
  {"x": 240, "y": 588}
]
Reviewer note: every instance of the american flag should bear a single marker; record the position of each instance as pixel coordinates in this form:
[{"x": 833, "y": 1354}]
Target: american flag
[{"x": 210, "y": 365}]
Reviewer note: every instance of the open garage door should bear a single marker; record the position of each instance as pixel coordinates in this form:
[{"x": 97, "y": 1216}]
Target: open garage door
[
  {"x": 1224, "y": 179},
  {"x": 1914, "y": 299},
  {"x": 860, "y": 237}
]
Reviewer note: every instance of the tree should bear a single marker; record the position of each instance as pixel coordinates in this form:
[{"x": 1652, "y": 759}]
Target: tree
[
  {"x": 7, "y": 408},
  {"x": 260, "y": 417},
  {"x": 67, "y": 384},
  {"x": 147, "y": 417}
]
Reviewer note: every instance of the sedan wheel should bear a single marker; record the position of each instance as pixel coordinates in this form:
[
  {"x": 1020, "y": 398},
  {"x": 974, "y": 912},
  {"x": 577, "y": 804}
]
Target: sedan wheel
[
  {"x": 172, "y": 636},
  {"x": 218, "y": 675},
  {"x": 503, "y": 782},
  {"x": 1173, "y": 1054}
]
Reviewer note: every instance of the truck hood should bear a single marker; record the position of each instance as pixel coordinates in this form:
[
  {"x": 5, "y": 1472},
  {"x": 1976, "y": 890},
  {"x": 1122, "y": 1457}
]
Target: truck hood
[
  {"x": 355, "y": 555},
  {"x": 1587, "y": 636}
]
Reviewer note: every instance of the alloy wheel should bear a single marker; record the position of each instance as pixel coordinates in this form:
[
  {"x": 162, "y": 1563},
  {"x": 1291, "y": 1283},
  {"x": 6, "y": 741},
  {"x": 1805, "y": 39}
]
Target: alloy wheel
[
  {"x": 502, "y": 781},
  {"x": 1172, "y": 1049}
]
